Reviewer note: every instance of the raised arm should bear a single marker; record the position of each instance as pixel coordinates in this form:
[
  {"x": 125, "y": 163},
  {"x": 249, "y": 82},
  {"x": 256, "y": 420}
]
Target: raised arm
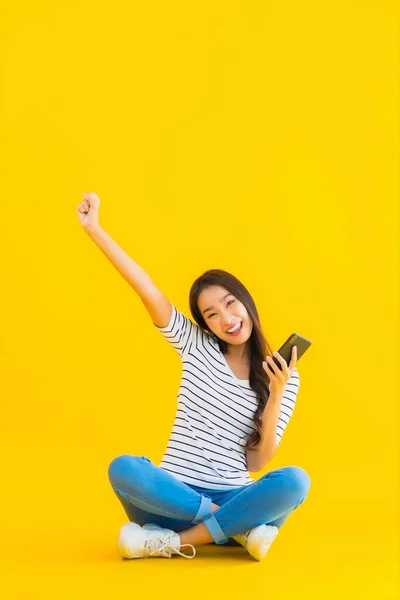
[{"x": 156, "y": 304}]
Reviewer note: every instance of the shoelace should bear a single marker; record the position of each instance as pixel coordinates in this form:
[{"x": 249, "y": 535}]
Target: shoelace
[{"x": 153, "y": 545}]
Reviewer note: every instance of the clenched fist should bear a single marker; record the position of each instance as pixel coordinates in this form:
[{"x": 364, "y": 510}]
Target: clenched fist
[{"x": 88, "y": 210}]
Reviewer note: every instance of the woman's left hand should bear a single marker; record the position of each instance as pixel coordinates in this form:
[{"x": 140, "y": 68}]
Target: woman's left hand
[{"x": 277, "y": 378}]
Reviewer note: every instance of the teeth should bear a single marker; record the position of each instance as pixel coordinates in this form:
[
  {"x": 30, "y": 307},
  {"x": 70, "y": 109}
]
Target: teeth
[{"x": 234, "y": 328}]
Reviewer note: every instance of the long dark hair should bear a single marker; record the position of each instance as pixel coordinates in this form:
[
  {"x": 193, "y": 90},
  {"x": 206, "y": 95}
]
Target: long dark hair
[{"x": 258, "y": 345}]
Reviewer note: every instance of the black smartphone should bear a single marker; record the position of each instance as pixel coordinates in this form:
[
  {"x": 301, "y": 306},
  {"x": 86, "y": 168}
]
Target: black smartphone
[{"x": 301, "y": 343}]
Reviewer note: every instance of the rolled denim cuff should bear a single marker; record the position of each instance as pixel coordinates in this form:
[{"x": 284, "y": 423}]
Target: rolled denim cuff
[
  {"x": 204, "y": 509},
  {"x": 215, "y": 530}
]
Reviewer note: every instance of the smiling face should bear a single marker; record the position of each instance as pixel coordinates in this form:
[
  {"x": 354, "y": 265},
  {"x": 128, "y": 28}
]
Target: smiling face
[{"x": 221, "y": 311}]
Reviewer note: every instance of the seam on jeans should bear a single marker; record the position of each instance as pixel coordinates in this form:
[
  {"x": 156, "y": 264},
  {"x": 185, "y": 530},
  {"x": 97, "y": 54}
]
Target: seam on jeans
[{"x": 128, "y": 497}]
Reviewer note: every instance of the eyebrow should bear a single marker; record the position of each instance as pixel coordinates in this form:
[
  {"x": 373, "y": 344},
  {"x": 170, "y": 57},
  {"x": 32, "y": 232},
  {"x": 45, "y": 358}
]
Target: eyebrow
[{"x": 221, "y": 299}]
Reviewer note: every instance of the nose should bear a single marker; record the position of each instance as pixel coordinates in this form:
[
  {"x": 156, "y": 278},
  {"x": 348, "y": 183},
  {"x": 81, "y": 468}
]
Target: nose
[{"x": 228, "y": 322}]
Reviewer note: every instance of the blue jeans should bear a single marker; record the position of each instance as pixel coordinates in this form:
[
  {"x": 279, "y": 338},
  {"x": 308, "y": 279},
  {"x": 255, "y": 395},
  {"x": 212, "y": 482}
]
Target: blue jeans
[{"x": 149, "y": 494}]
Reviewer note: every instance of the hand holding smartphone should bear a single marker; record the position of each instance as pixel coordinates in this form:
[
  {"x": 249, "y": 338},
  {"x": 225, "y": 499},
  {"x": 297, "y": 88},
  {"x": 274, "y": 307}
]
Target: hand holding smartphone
[{"x": 302, "y": 344}]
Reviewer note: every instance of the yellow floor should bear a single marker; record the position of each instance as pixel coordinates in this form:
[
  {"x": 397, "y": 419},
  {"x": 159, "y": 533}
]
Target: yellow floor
[
  {"x": 60, "y": 520},
  {"x": 83, "y": 563}
]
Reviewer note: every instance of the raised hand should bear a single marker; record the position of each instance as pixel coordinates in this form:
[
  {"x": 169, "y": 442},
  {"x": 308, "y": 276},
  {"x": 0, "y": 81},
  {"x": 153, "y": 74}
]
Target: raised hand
[{"x": 88, "y": 210}]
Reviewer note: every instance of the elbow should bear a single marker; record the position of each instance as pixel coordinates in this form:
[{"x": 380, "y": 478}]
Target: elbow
[
  {"x": 253, "y": 462},
  {"x": 256, "y": 462},
  {"x": 255, "y": 468},
  {"x": 262, "y": 464}
]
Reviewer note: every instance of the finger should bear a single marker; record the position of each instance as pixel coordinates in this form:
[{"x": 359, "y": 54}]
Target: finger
[
  {"x": 294, "y": 356},
  {"x": 93, "y": 200},
  {"x": 280, "y": 359},
  {"x": 282, "y": 366},
  {"x": 268, "y": 366}
]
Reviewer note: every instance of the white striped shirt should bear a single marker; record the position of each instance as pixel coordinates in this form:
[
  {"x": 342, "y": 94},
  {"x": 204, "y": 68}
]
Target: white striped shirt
[{"x": 214, "y": 416}]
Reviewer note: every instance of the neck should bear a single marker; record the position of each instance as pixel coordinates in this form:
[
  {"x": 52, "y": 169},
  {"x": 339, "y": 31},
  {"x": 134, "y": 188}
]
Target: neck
[{"x": 239, "y": 353}]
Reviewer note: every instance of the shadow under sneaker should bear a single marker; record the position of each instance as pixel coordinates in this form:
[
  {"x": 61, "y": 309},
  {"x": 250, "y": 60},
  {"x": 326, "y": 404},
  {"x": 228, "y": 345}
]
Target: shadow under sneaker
[
  {"x": 147, "y": 542},
  {"x": 257, "y": 540}
]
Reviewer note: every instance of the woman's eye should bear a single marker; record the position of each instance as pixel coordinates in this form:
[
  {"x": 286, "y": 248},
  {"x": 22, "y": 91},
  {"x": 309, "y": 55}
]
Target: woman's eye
[{"x": 212, "y": 314}]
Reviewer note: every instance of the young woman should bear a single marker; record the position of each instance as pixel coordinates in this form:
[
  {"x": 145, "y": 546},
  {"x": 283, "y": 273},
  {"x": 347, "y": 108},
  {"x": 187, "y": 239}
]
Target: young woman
[{"x": 234, "y": 404}]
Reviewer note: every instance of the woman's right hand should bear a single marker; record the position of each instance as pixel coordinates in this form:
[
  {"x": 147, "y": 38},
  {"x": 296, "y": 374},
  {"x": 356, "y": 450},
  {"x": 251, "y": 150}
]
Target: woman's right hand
[{"x": 88, "y": 210}]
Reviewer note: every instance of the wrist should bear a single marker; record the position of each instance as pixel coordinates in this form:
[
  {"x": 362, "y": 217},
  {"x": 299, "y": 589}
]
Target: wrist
[
  {"x": 275, "y": 397},
  {"x": 92, "y": 228}
]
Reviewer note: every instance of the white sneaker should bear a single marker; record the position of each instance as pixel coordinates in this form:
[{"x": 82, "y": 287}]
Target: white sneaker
[
  {"x": 257, "y": 540},
  {"x": 141, "y": 542}
]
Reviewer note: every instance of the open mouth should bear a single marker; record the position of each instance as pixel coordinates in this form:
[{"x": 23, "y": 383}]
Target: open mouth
[{"x": 237, "y": 332}]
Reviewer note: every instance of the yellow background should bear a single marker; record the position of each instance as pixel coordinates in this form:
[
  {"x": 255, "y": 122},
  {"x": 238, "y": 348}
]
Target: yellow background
[{"x": 183, "y": 117}]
